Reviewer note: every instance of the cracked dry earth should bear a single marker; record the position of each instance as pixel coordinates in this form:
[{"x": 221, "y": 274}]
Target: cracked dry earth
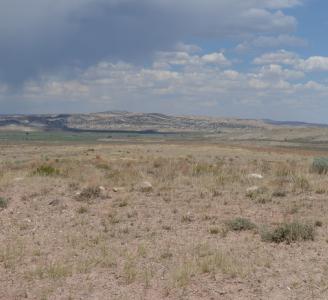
[{"x": 75, "y": 224}]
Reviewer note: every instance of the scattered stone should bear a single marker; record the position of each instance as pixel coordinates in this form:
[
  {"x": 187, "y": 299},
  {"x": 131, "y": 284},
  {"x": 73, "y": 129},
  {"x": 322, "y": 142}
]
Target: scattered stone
[
  {"x": 118, "y": 189},
  {"x": 145, "y": 186},
  {"x": 255, "y": 176},
  {"x": 103, "y": 192},
  {"x": 252, "y": 189},
  {"x": 18, "y": 179}
]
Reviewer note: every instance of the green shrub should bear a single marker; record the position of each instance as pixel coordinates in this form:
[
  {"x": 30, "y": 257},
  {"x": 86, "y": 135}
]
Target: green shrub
[
  {"x": 240, "y": 224},
  {"x": 320, "y": 165},
  {"x": 3, "y": 202},
  {"x": 46, "y": 170},
  {"x": 289, "y": 232}
]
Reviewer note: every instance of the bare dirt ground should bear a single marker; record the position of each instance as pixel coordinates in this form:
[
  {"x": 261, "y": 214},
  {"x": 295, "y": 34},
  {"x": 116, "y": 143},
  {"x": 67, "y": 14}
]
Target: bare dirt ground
[{"x": 80, "y": 222}]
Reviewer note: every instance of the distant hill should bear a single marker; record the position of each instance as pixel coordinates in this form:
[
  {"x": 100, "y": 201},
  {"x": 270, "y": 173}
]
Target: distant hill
[
  {"x": 294, "y": 123},
  {"x": 127, "y": 121}
]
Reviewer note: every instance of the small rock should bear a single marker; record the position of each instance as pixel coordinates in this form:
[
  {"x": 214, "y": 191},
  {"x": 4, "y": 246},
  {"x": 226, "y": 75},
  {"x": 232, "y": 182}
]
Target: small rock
[
  {"x": 255, "y": 176},
  {"x": 102, "y": 189},
  {"x": 118, "y": 189},
  {"x": 145, "y": 186},
  {"x": 252, "y": 189}
]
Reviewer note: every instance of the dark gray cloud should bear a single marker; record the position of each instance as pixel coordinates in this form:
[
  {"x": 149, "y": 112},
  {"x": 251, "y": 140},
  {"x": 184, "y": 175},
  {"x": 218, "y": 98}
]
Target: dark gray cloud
[{"x": 39, "y": 35}]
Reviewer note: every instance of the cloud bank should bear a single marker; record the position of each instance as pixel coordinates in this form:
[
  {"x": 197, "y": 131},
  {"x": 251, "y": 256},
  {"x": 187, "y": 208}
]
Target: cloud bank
[
  {"x": 42, "y": 35},
  {"x": 216, "y": 57}
]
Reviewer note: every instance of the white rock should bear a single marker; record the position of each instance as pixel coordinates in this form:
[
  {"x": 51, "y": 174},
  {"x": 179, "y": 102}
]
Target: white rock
[
  {"x": 252, "y": 189},
  {"x": 254, "y": 175},
  {"x": 19, "y": 179},
  {"x": 145, "y": 186}
]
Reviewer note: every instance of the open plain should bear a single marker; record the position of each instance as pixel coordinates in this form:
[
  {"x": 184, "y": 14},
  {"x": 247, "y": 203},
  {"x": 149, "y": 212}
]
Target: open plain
[
  {"x": 163, "y": 150},
  {"x": 157, "y": 219}
]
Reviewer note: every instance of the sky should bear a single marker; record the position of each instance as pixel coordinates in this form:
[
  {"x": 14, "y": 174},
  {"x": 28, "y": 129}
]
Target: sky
[{"x": 225, "y": 58}]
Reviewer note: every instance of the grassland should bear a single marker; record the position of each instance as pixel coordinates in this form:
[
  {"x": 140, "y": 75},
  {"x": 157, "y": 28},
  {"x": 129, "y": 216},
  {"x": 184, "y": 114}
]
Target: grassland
[{"x": 92, "y": 217}]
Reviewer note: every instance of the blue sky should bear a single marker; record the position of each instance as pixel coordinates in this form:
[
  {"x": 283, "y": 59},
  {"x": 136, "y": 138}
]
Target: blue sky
[{"x": 234, "y": 58}]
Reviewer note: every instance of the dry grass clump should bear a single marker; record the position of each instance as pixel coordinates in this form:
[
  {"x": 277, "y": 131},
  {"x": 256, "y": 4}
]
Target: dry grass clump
[
  {"x": 130, "y": 272},
  {"x": 290, "y": 232},
  {"x": 46, "y": 170},
  {"x": 11, "y": 253},
  {"x": 201, "y": 168},
  {"x": 166, "y": 171},
  {"x": 301, "y": 183},
  {"x": 204, "y": 260},
  {"x": 89, "y": 193},
  {"x": 123, "y": 173},
  {"x": 285, "y": 169},
  {"x": 260, "y": 194},
  {"x": 53, "y": 271},
  {"x": 219, "y": 261},
  {"x": 291, "y": 176},
  {"x": 240, "y": 224}
]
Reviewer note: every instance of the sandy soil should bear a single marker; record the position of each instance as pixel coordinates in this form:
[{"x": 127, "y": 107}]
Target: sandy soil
[{"x": 78, "y": 223}]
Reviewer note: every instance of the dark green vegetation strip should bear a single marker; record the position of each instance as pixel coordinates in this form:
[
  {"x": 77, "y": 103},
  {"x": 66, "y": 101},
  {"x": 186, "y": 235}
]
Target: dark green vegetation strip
[{"x": 67, "y": 136}]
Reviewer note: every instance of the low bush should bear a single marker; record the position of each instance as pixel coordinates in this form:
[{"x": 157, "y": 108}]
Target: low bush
[
  {"x": 289, "y": 232},
  {"x": 320, "y": 165},
  {"x": 3, "y": 202}
]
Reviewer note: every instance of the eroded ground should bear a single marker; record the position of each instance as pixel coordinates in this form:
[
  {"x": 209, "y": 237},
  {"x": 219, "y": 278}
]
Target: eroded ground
[{"x": 77, "y": 223}]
